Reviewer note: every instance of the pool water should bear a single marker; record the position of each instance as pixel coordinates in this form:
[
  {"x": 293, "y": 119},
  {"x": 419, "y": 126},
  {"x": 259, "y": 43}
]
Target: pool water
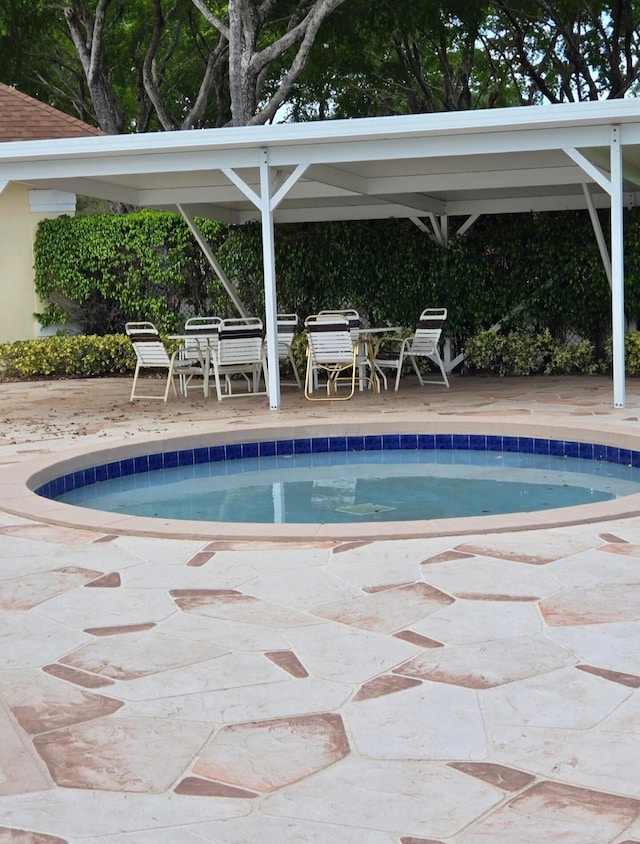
[{"x": 365, "y": 486}]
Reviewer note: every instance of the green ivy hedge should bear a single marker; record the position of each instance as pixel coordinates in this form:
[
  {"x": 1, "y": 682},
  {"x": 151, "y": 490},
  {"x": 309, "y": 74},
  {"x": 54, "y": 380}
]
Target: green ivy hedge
[{"x": 541, "y": 271}]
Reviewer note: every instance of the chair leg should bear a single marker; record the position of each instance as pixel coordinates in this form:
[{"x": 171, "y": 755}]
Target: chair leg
[
  {"x": 135, "y": 381},
  {"x": 415, "y": 366},
  {"x": 398, "y": 374},
  {"x": 216, "y": 377},
  {"x": 308, "y": 378},
  {"x": 169, "y": 382},
  {"x": 381, "y": 376},
  {"x": 295, "y": 368},
  {"x": 435, "y": 358},
  {"x": 438, "y": 360}
]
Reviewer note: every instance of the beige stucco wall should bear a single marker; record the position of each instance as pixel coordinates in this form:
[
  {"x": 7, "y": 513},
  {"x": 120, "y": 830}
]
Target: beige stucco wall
[{"x": 21, "y": 210}]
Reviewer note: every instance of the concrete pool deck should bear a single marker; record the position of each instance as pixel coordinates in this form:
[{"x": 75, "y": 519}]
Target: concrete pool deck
[{"x": 461, "y": 689}]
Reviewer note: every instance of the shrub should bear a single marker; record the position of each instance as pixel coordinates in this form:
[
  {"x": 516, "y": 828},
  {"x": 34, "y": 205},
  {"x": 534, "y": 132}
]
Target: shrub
[
  {"x": 632, "y": 352},
  {"x": 83, "y": 356},
  {"x": 526, "y": 353}
]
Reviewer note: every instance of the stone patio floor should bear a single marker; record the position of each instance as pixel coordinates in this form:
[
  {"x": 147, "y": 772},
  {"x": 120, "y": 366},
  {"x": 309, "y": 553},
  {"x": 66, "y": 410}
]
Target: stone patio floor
[{"x": 477, "y": 689}]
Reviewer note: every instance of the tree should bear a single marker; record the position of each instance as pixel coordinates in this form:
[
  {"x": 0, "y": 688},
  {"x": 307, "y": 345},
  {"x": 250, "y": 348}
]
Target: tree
[
  {"x": 568, "y": 50},
  {"x": 255, "y": 45},
  {"x": 170, "y": 71},
  {"x": 409, "y": 57}
]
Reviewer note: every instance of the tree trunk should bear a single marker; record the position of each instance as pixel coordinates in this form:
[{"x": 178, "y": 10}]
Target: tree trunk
[{"x": 248, "y": 65}]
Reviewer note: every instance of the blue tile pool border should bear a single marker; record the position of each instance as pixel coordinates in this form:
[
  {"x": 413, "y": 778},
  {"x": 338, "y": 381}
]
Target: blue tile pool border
[{"x": 316, "y": 445}]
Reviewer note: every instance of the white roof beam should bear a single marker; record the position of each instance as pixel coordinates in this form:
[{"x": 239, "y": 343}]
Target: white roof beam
[
  {"x": 326, "y": 213},
  {"x": 490, "y": 179},
  {"x": 514, "y": 205},
  {"x": 221, "y": 194},
  {"x": 211, "y": 212},
  {"x": 416, "y": 201},
  {"x": 339, "y": 178}
]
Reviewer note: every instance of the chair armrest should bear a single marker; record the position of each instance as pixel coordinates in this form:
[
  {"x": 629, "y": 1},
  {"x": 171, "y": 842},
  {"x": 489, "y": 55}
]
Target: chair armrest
[{"x": 391, "y": 344}]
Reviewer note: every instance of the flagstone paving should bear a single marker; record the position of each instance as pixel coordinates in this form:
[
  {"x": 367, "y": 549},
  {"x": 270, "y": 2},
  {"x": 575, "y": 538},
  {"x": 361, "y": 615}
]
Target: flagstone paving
[{"x": 457, "y": 689}]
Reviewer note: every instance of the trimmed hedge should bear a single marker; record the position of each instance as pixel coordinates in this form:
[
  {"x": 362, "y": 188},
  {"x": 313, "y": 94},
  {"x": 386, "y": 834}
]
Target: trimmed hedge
[
  {"x": 83, "y": 356},
  {"x": 526, "y": 353}
]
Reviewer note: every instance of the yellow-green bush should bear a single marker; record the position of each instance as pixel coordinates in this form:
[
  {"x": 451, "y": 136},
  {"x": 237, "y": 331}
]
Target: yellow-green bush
[
  {"x": 527, "y": 353},
  {"x": 84, "y": 356},
  {"x": 631, "y": 353}
]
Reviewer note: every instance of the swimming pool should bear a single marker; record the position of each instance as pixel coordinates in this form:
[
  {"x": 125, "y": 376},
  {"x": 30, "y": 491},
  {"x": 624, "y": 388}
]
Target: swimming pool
[
  {"x": 367, "y": 485},
  {"x": 190, "y": 458}
]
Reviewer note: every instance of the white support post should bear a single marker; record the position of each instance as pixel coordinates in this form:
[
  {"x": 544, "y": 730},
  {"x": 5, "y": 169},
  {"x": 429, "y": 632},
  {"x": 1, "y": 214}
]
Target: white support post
[
  {"x": 214, "y": 263},
  {"x": 444, "y": 228},
  {"x": 597, "y": 229},
  {"x": 270, "y": 295},
  {"x": 617, "y": 269},
  {"x": 266, "y": 204},
  {"x": 437, "y": 231}
]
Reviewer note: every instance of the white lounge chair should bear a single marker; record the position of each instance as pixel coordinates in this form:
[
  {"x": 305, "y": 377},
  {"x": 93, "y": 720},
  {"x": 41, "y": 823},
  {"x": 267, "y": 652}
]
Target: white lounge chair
[
  {"x": 331, "y": 351},
  {"x": 240, "y": 352},
  {"x": 391, "y": 353},
  {"x": 151, "y": 353}
]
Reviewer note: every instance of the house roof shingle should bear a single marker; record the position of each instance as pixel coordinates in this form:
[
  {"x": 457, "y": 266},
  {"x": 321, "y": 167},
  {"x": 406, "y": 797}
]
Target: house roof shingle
[{"x": 22, "y": 118}]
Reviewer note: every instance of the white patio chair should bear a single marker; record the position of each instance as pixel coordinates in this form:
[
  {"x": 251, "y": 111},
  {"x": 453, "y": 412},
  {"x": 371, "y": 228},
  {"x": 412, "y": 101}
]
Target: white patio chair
[
  {"x": 331, "y": 351},
  {"x": 240, "y": 352},
  {"x": 286, "y": 327},
  {"x": 391, "y": 353},
  {"x": 151, "y": 353},
  {"x": 363, "y": 358},
  {"x": 201, "y": 336}
]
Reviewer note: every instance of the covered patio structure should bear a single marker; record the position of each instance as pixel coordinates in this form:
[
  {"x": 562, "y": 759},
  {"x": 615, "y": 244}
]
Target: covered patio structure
[{"x": 428, "y": 168}]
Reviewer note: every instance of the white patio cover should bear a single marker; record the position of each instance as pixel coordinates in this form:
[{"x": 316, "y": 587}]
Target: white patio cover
[{"x": 425, "y": 167}]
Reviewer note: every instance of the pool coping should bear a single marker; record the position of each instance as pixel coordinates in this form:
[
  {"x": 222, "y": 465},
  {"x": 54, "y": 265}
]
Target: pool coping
[{"x": 18, "y": 483}]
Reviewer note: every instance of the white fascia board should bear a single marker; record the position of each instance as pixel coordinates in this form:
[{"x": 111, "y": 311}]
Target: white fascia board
[
  {"x": 578, "y": 117},
  {"x": 441, "y": 146},
  {"x": 172, "y": 152},
  {"x": 487, "y": 180},
  {"x": 97, "y": 166}
]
